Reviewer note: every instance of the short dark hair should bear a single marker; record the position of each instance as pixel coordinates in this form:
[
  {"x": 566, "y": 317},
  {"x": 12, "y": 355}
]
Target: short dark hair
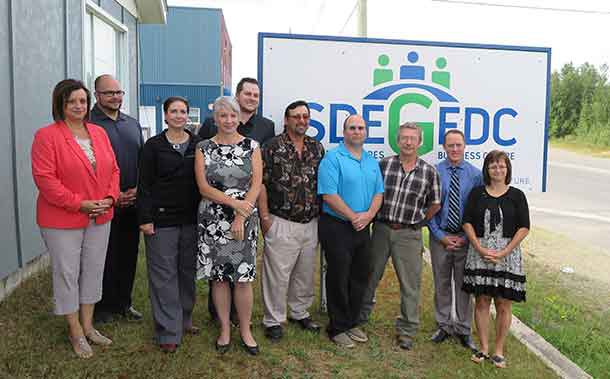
[
  {"x": 493, "y": 157},
  {"x": 295, "y": 105},
  {"x": 97, "y": 81},
  {"x": 172, "y": 99},
  {"x": 240, "y": 85},
  {"x": 61, "y": 94},
  {"x": 454, "y": 131}
]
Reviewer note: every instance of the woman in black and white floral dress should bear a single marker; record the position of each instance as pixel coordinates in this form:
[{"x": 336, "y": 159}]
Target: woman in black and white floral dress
[
  {"x": 228, "y": 168},
  {"x": 496, "y": 220}
]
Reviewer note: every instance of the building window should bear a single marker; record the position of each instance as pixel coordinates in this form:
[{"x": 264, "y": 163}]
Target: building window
[
  {"x": 148, "y": 121},
  {"x": 194, "y": 121},
  {"x": 105, "y": 48}
]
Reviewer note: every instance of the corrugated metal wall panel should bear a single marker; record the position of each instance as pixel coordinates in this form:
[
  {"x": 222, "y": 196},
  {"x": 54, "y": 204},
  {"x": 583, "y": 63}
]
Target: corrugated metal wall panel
[
  {"x": 39, "y": 63},
  {"x": 185, "y": 51},
  {"x": 9, "y": 261},
  {"x": 197, "y": 96}
]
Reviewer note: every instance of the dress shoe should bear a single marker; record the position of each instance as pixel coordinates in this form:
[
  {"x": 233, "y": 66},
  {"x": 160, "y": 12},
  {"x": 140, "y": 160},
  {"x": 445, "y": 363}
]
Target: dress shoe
[
  {"x": 221, "y": 349},
  {"x": 168, "y": 347},
  {"x": 439, "y": 336},
  {"x": 307, "y": 324},
  {"x": 131, "y": 314},
  {"x": 274, "y": 333},
  {"x": 103, "y": 317},
  {"x": 405, "y": 342},
  {"x": 252, "y": 350},
  {"x": 466, "y": 341}
]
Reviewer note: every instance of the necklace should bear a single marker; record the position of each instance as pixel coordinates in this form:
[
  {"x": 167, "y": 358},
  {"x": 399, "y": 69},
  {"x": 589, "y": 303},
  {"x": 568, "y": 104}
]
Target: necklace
[{"x": 176, "y": 144}]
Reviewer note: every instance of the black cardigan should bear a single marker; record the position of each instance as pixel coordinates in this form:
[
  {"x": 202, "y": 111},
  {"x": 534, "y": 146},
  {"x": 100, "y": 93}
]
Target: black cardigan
[
  {"x": 513, "y": 203},
  {"x": 167, "y": 191}
]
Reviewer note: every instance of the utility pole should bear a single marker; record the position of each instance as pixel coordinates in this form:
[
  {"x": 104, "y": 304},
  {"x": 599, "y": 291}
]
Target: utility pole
[{"x": 362, "y": 18}]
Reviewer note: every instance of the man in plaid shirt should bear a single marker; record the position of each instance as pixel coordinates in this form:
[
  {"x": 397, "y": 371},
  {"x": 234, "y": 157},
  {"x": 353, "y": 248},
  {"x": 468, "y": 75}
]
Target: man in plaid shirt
[{"x": 412, "y": 196}]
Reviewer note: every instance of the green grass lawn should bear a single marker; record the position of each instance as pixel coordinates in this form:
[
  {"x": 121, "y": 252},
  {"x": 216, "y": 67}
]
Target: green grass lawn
[
  {"x": 572, "y": 320},
  {"x": 34, "y": 345},
  {"x": 578, "y": 146}
]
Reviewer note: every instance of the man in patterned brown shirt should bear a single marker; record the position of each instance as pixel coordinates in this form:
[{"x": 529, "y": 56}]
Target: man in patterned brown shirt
[
  {"x": 412, "y": 196},
  {"x": 289, "y": 210}
]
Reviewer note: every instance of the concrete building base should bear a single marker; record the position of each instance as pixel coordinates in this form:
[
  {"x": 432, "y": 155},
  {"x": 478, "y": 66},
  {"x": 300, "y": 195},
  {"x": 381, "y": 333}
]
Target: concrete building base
[{"x": 8, "y": 284}]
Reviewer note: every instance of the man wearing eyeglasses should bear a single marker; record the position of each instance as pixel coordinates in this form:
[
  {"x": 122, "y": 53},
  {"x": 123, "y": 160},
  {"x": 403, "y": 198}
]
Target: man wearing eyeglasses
[
  {"x": 412, "y": 196},
  {"x": 351, "y": 186},
  {"x": 449, "y": 245},
  {"x": 289, "y": 208},
  {"x": 125, "y": 135}
]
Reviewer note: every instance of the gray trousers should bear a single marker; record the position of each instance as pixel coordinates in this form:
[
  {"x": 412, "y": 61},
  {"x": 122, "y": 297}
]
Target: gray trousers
[
  {"x": 448, "y": 265},
  {"x": 289, "y": 261},
  {"x": 171, "y": 262},
  {"x": 77, "y": 260},
  {"x": 405, "y": 248}
]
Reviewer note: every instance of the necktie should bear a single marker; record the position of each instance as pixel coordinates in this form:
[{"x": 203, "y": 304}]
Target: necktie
[{"x": 453, "y": 216}]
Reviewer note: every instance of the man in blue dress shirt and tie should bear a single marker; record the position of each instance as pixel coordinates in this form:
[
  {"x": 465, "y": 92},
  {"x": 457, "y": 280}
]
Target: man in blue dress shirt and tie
[{"x": 449, "y": 245}]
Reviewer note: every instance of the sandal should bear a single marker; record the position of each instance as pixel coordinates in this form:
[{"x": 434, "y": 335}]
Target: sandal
[
  {"x": 498, "y": 361},
  {"x": 97, "y": 338},
  {"x": 479, "y": 357},
  {"x": 81, "y": 347}
]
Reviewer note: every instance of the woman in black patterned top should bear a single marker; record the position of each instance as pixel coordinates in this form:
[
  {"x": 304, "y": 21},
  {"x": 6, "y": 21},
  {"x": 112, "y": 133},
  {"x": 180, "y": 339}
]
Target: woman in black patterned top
[
  {"x": 229, "y": 169},
  {"x": 496, "y": 220}
]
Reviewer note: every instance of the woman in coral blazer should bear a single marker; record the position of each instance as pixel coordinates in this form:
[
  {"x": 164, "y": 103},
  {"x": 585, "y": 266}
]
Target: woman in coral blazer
[{"x": 77, "y": 176}]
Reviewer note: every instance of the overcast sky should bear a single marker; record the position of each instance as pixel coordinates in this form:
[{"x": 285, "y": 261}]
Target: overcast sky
[{"x": 574, "y": 36}]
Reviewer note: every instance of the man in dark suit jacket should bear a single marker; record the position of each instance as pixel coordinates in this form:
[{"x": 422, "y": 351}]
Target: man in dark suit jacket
[{"x": 251, "y": 125}]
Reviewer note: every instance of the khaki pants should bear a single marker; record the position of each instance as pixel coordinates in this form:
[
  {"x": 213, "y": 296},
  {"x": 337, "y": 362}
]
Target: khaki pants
[
  {"x": 77, "y": 260},
  {"x": 288, "y": 269},
  {"x": 405, "y": 248}
]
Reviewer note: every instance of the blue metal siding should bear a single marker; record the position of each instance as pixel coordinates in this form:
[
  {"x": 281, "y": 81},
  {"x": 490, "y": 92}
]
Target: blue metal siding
[
  {"x": 185, "y": 51},
  {"x": 197, "y": 96}
]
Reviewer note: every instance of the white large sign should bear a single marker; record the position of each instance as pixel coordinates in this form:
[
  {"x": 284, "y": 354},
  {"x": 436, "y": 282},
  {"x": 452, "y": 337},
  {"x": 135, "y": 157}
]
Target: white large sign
[{"x": 497, "y": 95}]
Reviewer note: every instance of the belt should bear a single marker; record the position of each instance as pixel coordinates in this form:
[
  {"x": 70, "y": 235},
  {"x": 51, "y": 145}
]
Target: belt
[
  {"x": 333, "y": 218},
  {"x": 399, "y": 226}
]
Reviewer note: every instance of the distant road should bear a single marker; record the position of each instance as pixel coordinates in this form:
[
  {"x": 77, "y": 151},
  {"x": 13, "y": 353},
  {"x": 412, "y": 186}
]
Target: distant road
[{"x": 577, "y": 201}]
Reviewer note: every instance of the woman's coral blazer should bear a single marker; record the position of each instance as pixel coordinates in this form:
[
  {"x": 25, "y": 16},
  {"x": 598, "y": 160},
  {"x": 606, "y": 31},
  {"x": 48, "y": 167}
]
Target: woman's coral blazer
[{"x": 65, "y": 177}]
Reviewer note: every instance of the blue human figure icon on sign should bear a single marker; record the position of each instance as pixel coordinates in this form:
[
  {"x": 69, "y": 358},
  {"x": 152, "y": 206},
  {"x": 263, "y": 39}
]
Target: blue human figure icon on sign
[
  {"x": 382, "y": 75},
  {"x": 412, "y": 71},
  {"x": 442, "y": 78}
]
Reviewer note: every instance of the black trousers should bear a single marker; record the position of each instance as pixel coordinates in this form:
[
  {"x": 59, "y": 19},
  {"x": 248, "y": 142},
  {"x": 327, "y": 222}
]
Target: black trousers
[
  {"x": 121, "y": 261},
  {"x": 349, "y": 268}
]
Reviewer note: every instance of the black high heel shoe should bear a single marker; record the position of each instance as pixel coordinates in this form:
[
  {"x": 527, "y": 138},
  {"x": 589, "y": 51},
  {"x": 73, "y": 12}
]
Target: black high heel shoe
[
  {"x": 252, "y": 350},
  {"x": 221, "y": 349}
]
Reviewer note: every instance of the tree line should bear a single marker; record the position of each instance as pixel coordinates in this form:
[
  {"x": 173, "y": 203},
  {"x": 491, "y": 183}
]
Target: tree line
[{"x": 580, "y": 104}]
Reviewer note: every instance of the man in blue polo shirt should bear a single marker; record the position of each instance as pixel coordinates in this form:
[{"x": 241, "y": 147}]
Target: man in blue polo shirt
[
  {"x": 448, "y": 244},
  {"x": 351, "y": 186}
]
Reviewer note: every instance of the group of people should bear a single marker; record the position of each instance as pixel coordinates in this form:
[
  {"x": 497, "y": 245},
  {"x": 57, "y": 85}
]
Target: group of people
[{"x": 199, "y": 200}]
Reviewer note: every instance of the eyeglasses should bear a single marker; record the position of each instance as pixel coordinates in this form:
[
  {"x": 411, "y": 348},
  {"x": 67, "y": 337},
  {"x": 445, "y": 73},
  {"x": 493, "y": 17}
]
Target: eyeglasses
[
  {"x": 112, "y": 93},
  {"x": 303, "y": 117}
]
